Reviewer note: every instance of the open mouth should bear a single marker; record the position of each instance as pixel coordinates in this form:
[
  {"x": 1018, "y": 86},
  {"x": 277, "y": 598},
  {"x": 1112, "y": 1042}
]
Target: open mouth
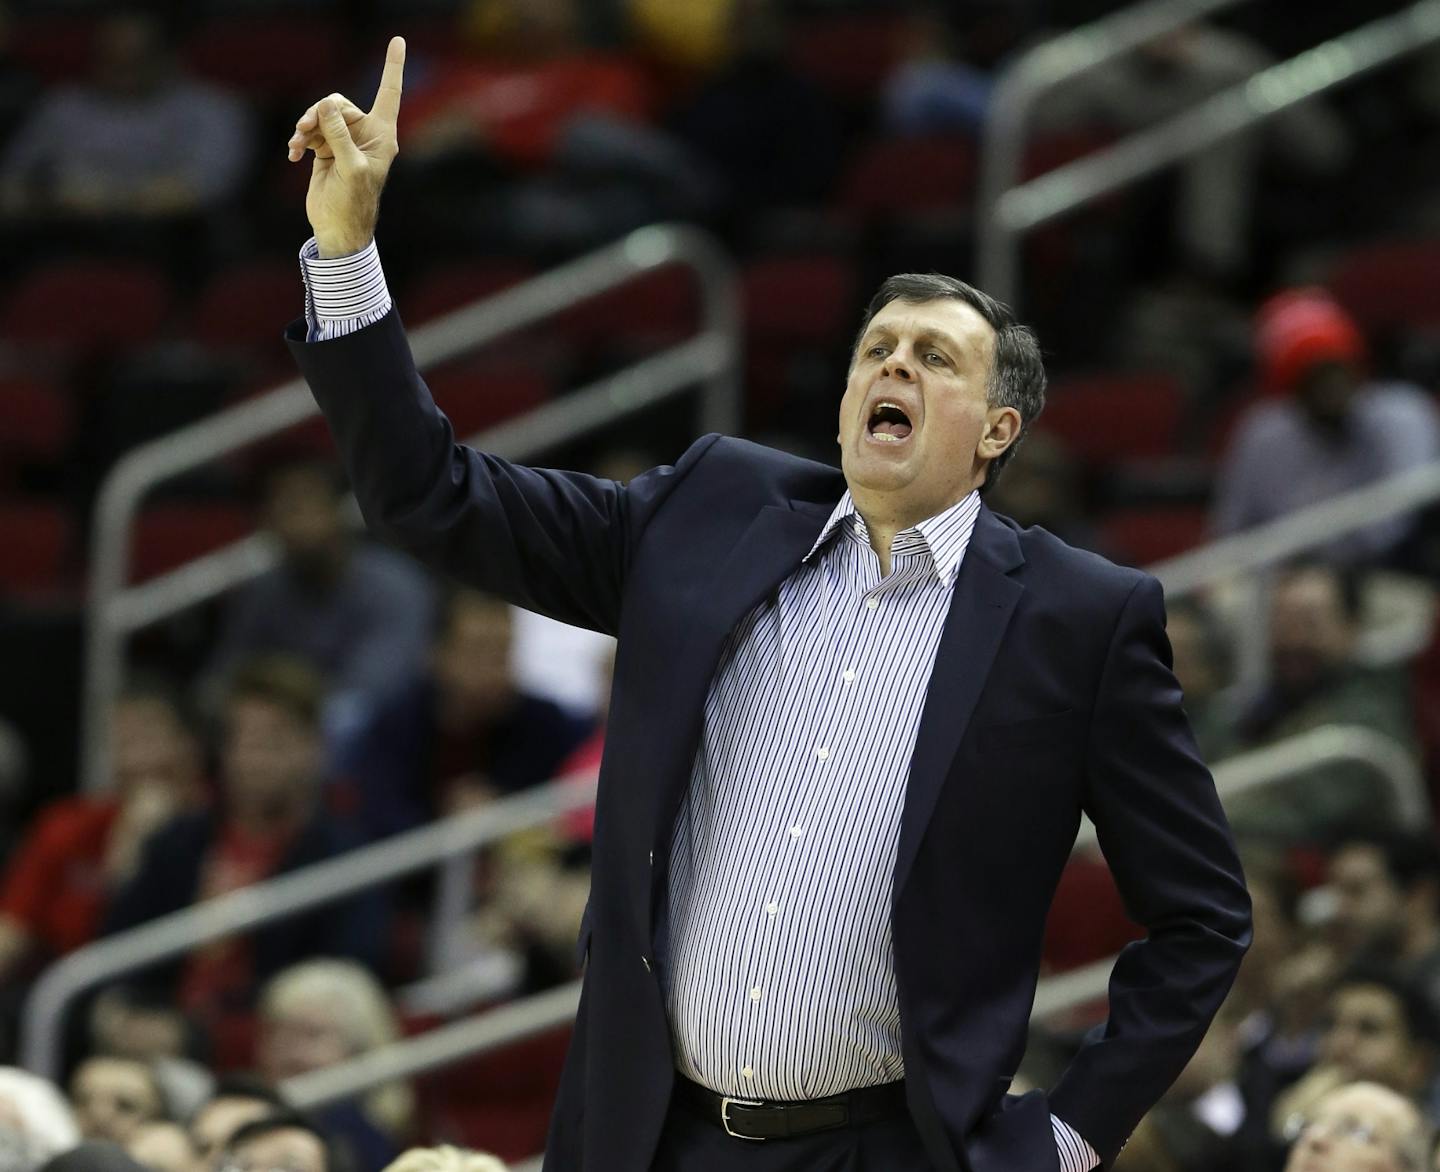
[{"x": 888, "y": 422}]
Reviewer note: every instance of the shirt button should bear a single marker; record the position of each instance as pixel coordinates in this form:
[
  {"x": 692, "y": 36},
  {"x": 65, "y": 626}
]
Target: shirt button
[
  {"x": 645, "y": 960},
  {"x": 652, "y": 858},
  {"x": 746, "y": 1072},
  {"x": 823, "y": 753},
  {"x": 755, "y": 993},
  {"x": 772, "y": 908},
  {"x": 796, "y": 831},
  {"x": 849, "y": 676},
  {"x": 871, "y": 603}
]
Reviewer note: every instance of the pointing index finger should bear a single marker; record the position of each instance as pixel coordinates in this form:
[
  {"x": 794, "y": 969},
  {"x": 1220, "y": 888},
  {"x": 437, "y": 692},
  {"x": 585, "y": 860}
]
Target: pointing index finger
[{"x": 387, "y": 97}]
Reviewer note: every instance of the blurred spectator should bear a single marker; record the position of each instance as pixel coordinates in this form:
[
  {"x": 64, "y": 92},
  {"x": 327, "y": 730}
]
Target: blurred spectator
[
  {"x": 35, "y": 1121},
  {"x": 162, "y": 1147},
  {"x": 1362, "y": 1127},
  {"x": 934, "y": 90},
  {"x": 138, "y": 140},
  {"x": 270, "y": 820},
  {"x": 1315, "y": 613},
  {"x": 1328, "y": 430},
  {"x": 1387, "y": 904},
  {"x": 568, "y": 126},
  {"x": 1202, "y": 667},
  {"x": 461, "y": 732},
  {"x": 770, "y": 135},
  {"x": 1279, "y": 996},
  {"x": 235, "y": 1101},
  {"x": 357, "y": 611},
  {"x": 1173, "y": 74},
  {"x": 112, "y": 1097},
  {"x": 131, "y": 1021},
  {"x": 1192, "y": 1129},
  {"x": 80, "y": 850},
  {"x": 1378, "y": 1029},
  {"x": 94, "y": 1156},
  {"x": 515, "y": 88},
  {"x": 1042, "y": 486},
  {"x": 558, "y": 662},
  {"x": 284, "y": 1140},
  {"x": 322, "y": 1012},
  {"x": 445, "y": 1159}
]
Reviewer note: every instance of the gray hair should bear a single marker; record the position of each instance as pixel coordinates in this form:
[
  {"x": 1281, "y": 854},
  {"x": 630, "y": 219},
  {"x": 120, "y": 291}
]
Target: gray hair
[{"x": 1017, "y": 372}]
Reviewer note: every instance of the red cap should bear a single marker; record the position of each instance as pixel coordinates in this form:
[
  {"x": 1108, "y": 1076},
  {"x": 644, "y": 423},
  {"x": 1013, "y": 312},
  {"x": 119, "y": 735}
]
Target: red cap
[{"x": 1299, "y": 329}]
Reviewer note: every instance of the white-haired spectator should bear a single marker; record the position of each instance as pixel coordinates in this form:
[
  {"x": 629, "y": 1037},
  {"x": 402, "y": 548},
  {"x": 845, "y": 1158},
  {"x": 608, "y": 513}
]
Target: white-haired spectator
[
  {"x": 35, "y": 1121},
  {"x": 321, "y": 1012},
  {"x": 445, "y": 1159},
  {"x": 1360, "y": 1127}
]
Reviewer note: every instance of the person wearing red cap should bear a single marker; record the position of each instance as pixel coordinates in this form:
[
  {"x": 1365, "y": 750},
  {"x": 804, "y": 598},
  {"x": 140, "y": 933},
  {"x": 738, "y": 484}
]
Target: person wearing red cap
[{"x": 1323, "y": 428}]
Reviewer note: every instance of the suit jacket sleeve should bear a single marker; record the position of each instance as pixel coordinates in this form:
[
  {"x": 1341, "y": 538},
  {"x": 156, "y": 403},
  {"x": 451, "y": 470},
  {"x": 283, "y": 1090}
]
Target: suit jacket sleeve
[
  {"x": 1166, "y": 839},
  {"x": 554, "y": 542}
]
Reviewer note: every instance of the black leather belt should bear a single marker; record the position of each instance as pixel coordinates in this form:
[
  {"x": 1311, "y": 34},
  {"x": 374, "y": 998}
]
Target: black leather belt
[{"x": 772, "y": 1119}]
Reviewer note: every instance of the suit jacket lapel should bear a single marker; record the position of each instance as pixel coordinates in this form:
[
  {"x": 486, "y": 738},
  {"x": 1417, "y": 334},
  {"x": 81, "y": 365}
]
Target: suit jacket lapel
[{"x": 980, "y": 610}]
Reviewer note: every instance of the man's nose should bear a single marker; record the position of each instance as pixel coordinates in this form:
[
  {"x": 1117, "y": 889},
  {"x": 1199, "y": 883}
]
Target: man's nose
[{"x": 897, "y": 367}]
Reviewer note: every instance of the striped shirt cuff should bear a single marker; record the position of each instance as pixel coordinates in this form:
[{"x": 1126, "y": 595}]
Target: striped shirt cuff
[
  {"x": 344, "y": 293},
  {"x": 1075, "y": 1154}
]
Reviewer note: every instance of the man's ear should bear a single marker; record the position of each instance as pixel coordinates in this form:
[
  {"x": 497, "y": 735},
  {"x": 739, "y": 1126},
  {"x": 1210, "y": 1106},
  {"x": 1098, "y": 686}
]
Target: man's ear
[{"x": 1002, "y": 428}]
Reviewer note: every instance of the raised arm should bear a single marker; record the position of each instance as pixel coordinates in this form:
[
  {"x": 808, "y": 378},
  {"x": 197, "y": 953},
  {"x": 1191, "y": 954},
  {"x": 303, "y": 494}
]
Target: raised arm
[{"x": 554, "y": 542}]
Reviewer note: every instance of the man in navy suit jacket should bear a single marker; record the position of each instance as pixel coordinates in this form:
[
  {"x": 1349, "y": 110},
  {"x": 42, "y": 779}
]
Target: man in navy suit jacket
[{"x": 1050, "y": 694}]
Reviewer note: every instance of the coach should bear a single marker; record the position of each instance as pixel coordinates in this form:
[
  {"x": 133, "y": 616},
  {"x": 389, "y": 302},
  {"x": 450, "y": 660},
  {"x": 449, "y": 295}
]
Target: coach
[{"x": 856, "y": 719}]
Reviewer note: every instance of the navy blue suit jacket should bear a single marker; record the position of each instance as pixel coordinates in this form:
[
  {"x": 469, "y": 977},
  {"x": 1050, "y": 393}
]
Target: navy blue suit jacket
[{"x": 1051, "y": 694}]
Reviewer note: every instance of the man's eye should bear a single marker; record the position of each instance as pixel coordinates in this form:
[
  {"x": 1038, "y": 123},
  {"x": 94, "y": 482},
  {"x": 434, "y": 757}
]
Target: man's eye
[
  {"x": 934, "y": 357},
  {"x": 878, "y": 351}
]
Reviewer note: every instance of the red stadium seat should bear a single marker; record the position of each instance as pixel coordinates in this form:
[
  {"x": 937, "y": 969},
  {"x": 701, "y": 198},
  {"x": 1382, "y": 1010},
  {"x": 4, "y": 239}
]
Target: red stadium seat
[
  {"x": 848, "y": 54},
  {"x": 441, "y": 290},
  {"x": 169, "y": 535},
  {"x": 499, "y": 1102},
  {"x": 654, "y": 310},
  {"x": 237, "y": 309},
  {"x": 38, "y": 419},
  {"x": 1143, "y": 536},
  {"x": 87, "y": 305},
  {"x": 1390, "y": 283},
  {"x": 1088, "y": 922},
  {"x": 807, "y": 299},
  {"x": 36, "y": 536},
  {"x": 894, "y": 175},
  {"x": 1115, "y": 417},
  {"x": 256, "y": 55},
  {"x": 480, "y": 393}
]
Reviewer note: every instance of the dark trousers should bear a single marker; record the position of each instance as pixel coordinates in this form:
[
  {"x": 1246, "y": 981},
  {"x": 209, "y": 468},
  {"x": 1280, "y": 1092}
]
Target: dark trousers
[{"x": 692, "y": 1144}]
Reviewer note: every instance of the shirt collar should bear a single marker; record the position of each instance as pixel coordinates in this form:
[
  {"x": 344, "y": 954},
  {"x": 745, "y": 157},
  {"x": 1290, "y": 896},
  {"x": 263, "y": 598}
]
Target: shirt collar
[{"x": 943, "y": 536}]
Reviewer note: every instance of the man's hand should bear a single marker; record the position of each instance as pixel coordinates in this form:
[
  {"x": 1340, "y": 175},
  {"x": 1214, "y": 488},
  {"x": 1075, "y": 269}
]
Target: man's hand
[{"x": 353, "y": 154}]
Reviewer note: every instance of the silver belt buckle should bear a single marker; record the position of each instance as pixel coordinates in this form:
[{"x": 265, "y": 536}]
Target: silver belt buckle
[{"x": 725, "y": 1104}]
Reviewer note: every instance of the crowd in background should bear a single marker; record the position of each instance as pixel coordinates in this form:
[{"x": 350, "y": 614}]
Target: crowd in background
[{"x": 1229, "y": 342}]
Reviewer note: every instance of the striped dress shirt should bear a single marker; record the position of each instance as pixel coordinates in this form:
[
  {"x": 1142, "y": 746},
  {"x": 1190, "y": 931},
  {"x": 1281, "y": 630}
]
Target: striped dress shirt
[{"x": 778, "y": 967}]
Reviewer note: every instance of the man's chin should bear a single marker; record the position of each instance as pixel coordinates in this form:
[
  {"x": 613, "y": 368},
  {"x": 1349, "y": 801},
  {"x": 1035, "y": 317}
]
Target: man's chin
[{"x": 874, "y": 472}]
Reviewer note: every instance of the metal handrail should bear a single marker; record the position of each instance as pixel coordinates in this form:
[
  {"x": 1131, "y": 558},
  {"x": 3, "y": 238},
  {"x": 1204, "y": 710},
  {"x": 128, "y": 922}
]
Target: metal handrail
[
  {"x": 1240, "y": 774},
  {"x": 1294, "y": 533},
  {"x": 710, "y": 358},
  {"x": 279, "y": 898},
  {"x": 1268, "y": 93},
  {"x": 1393, "y": 764},
  {"x": 1038, "y": 70}
]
